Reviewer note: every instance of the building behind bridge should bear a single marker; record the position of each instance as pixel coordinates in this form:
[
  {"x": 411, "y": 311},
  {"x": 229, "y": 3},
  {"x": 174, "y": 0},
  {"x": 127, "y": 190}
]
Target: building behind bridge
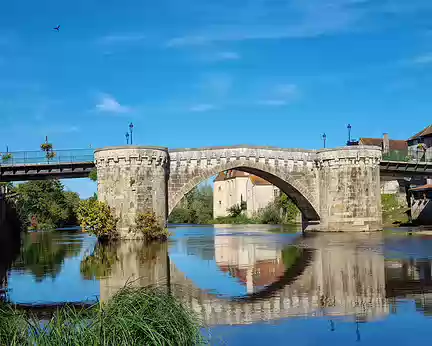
[{"x": 234, "y": 187}]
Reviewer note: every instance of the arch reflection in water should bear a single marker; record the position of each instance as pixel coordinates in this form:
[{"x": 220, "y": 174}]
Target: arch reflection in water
[{"x": 323, "y": 275}]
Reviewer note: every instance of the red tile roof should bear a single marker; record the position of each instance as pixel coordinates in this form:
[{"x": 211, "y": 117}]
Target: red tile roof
[
  {"x": 234, "y": 173},
  {"x": 423, "y": 187},
  {"x": 425, "y": 132},
  {"x": 395, "y": 144}
]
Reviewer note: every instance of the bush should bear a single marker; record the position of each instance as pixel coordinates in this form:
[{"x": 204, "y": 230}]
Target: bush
[
  {"x": 147, "y": 225},
  {"x": 134, "y": 316},
  {"x": 97, "y": 218},
  {"x": 235, "y": 210}
]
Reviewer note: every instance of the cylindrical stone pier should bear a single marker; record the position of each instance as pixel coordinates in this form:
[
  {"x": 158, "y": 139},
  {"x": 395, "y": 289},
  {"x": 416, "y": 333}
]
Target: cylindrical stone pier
[
  {"x": 349, "y": 189},
  {"x": 133, "y": 180}
]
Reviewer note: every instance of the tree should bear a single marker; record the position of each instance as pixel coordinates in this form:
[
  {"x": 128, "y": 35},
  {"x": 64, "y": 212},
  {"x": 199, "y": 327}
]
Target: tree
[
  {"x": 196, "y": 207},
  {"x": 46, "y": 203},
  {"x": 93, "y": 174}
]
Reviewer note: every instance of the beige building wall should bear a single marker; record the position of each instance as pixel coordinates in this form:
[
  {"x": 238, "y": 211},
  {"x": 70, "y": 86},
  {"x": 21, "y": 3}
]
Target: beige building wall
[{"x": 246, "y": 188}]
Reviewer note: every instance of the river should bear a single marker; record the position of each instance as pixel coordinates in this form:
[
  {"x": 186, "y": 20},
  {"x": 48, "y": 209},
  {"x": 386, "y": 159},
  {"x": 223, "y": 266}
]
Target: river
[{"x": 250, "y": 284}]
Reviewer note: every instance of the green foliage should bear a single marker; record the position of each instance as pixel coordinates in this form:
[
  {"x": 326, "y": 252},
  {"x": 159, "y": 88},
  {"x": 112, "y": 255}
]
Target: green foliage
[
  {"x": 48, "y": 149},
  {"x": 393, "y": 211},
  {"x": 196, "y": 207},
  {"x": 134, "y": 316},
  {"x": 93, "y": 174},
  {"x": 6, "y": 157},
  {"x": 235, "y": 210},
  {"x": 46, "y": 203},
  {"x": 148, "y": 226},
  {"x": 97, "y": 218},
  {"x": 99, "y": 264}
]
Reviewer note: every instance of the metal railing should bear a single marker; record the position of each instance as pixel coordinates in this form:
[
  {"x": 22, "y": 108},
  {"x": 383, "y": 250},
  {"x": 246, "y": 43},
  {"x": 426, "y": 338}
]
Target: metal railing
[
  {"x": 19, "y": 158},
  {"x": 408, "y": 156}
]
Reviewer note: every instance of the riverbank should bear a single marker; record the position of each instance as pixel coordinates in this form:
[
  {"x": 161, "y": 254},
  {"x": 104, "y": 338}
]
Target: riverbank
[{"x": 134, "y": 316}]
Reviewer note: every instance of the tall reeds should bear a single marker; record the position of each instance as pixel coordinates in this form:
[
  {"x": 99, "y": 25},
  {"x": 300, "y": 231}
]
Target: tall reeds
[{"x": 134, "y": 316}]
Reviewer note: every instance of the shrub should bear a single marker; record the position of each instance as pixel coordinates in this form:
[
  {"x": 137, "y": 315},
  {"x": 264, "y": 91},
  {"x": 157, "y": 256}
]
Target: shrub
[
  {"x": 235, "y": 210},
  {"x": 147, "y": 225},
  {"x": 97, "y": 218}
]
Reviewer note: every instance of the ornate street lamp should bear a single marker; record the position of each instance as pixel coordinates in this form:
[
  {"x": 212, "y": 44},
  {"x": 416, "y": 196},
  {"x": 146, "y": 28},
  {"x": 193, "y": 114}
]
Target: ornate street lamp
[
  {"x": 127, "y": 137},
  {"x": 349, "y": 132},
  {"x": 131, "y": 130},
  {"x": 324, "y": 137}
]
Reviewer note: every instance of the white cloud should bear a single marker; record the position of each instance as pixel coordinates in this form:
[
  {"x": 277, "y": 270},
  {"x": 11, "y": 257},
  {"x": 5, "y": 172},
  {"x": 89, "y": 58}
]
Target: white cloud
[
  {"x": 122, "y": 38},
  {"x": 202, "y": 107},
  {"x": 109, "y": 104},
  {"x": 227, "y": 55},
  {"x": 422, "y": 59},
  {"x": 268, "y": 20},
  {"x": 273, "y": 103},
  {"x": 282, "y": 95}
]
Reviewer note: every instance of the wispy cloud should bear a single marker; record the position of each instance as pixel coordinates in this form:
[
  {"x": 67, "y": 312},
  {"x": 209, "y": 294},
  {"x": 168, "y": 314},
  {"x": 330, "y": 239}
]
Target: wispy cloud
[
  {"x": 60, "y": 129},
  {"x": 282, "y": 95},
  {"x": 109, "y": 104},
  {"x": 202, "y": 107},
  {"x": 227, "y": 55},
  {"x": 422, "y": 59},
  {"x": 273, "y": 103},
  {"x": 275, "y": 20},
  {"x": 122, "y": 38}
]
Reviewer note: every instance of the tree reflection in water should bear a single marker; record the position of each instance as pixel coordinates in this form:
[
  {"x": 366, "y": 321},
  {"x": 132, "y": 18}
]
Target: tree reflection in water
[{"x": 43, "y": 254}]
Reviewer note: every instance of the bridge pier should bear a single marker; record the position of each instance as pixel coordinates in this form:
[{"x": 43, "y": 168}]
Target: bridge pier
[
  {"x": 133, "y": 180},
  {"x": 349, "y": 189}
]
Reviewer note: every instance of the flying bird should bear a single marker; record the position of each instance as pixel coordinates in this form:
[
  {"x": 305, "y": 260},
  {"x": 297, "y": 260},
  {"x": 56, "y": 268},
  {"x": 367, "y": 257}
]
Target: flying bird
[{"x": 57, "y": 28}]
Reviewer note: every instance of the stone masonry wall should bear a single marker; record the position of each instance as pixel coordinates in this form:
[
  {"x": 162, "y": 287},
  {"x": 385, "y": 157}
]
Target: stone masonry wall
[
  {"x": 349, "y": 180},
  {"x": 132, "y": 180},
  {"x": 292, "y": 170}
]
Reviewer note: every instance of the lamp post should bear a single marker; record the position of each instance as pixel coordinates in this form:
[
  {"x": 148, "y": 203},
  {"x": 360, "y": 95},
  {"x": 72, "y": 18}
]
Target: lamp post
[
  {"x": 349, "y": 133},
  {"x": 127, "y": 137},
  {"x": 324, "y": 137},
  {"x": 131, "y": 130}
]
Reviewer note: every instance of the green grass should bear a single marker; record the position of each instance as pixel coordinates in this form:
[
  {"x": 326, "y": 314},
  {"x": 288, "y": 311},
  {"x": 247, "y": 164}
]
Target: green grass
[
  {"x": 392, "y": 211},
  {"x": 134, "y": 316}
]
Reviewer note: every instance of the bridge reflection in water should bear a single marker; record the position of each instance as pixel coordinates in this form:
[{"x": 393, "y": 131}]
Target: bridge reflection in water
[{"x": 322, "y": 275}]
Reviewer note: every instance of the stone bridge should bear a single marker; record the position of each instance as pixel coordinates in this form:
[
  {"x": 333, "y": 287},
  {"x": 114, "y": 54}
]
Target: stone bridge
[{"x": 336, "y": 188}]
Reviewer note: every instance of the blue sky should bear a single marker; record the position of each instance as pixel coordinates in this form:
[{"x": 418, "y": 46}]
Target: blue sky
[{"x": 198, "y": 73}]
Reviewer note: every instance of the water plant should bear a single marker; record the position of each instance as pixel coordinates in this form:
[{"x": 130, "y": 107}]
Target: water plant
[
  {"x": 148, "y": 226},
  {"x": 97, "y": 218},
  {"x": 134, "y": 316}
]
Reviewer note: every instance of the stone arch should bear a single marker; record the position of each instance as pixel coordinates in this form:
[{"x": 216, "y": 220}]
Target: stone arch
[{"x": 295, "y": 186}]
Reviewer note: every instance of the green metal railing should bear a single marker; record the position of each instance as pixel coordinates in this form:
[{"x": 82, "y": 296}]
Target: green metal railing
[
  {"x": 18, "y": 158},
  {"x": 408, "y": 156}
]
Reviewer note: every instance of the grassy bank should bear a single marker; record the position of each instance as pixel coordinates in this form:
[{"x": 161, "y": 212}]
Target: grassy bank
[
  {"x": 134, "y": 316},
  {"x": 393, "y": 211}
]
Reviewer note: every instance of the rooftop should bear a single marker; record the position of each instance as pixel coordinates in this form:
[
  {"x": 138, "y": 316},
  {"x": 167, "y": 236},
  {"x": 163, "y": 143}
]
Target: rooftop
[
  {"x": 425, "y": 132},
  {"x": 234, "y": 173},
  {"x": 395, "y": 144}
]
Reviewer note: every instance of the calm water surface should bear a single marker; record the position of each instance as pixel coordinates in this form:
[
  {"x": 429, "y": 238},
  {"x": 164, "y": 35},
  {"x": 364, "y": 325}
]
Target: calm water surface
[{"x": 250, "y": 285}]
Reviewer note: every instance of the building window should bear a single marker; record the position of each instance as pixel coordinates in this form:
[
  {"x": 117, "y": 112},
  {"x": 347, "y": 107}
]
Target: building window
[
  {"x": 220, "y": 203},
  {"x": 276, "y": 193},
  {"x": 220, "y": 188}
]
